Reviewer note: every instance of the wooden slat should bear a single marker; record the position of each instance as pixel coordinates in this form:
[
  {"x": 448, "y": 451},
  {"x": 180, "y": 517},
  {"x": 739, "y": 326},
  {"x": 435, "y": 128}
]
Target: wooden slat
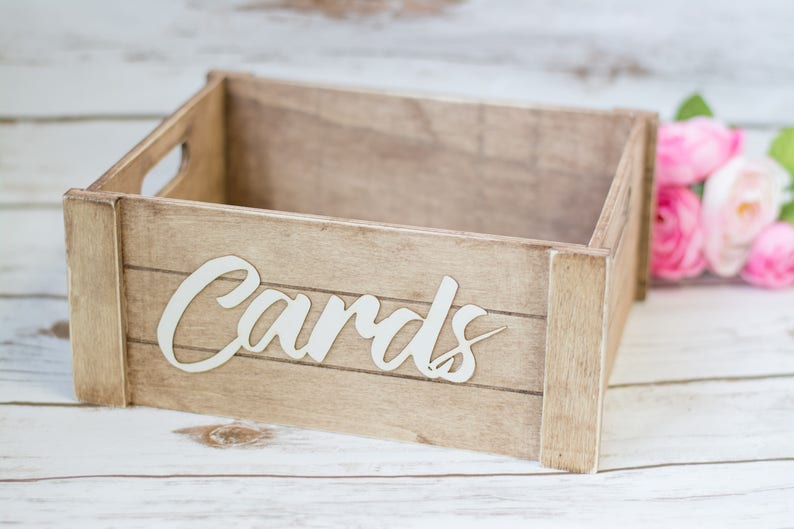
[
  {"x": 512, "y": 359},
  {"x": 647, "y": 212},
  {"x": 575, "y": 363},
  {"x": 432, "y": 162},
  {"x": 336, "y": 255},
  {"x": 450, "y": 415},
  {"x": 97, "y": 313},
  {"x": 621, "y": 231}
]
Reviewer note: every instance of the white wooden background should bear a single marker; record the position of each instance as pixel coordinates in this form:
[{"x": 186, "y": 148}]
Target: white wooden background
[{"x": 699, "y": 424}]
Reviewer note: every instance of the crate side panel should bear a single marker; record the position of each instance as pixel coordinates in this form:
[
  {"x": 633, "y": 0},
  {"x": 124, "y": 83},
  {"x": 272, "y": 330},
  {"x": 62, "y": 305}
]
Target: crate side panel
[{"x": 626, "y": 239}]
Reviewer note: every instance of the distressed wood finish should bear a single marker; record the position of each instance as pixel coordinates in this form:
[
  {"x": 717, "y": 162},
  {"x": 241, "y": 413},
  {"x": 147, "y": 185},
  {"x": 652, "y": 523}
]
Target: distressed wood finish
[
  {"x": 329, "y": 191},
  {"x": 511, "y": 360},
  {"x": 575, "y": 361},
  {"x": 96, "y": 300},
  {"x": 431, "y": 162},
  {"x": 164, "y": 240}
]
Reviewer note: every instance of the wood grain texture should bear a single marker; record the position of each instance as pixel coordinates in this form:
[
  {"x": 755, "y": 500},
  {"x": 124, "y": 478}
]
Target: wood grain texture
[
  {"x": 97, "y": 313},
  {"x": 164, "y": 240},
  {"x": 448, "y": 163},
  {"x": 575, "y": 361}
]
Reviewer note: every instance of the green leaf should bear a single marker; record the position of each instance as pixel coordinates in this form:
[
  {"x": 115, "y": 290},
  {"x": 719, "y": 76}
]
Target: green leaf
[
  {"x": 782, "y": 149},
  {"x": 693, "y": 106},
  {"x": 698, "y": 189},
  {"x": 788, "y": 213}
]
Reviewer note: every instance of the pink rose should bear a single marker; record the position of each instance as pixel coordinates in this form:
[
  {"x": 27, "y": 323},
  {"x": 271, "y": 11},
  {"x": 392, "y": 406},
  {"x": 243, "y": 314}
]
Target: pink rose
[
  {"x": 771, "y": 261},
  {"x": 677, "y": 245},
  {"x": 740, "y": 200},
  {"x": 688, "y": 151}
]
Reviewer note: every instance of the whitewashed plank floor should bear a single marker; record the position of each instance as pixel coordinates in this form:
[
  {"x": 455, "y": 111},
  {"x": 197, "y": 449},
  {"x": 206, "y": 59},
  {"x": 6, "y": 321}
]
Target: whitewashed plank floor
[{"x": 699, "y": 420}]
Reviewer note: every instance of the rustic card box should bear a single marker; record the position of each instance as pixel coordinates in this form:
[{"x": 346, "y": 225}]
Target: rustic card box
[{"x": 539, "y": 217}]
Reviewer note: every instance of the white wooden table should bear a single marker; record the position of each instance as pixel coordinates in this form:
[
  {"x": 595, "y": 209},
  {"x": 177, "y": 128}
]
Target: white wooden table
[{"x": 699, "y": 420}]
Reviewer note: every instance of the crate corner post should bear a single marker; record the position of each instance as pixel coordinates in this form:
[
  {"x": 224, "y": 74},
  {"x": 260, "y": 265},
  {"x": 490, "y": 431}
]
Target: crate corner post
[
  {"x": 96, "y": 296},
  {"x": 648, "y": 211},
  {"x": 575, "y": 369}
]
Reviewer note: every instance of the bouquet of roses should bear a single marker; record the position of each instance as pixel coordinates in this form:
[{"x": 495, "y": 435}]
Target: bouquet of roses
[{"x": 719, "y": 210}]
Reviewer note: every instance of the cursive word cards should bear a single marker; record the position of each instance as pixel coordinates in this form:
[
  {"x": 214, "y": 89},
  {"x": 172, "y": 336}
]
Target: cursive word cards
[{"x": 333, "y": 318}]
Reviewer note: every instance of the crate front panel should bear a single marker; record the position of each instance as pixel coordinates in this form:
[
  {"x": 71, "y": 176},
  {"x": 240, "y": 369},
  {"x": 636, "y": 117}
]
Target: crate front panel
[{"x": 497, "y": 409}]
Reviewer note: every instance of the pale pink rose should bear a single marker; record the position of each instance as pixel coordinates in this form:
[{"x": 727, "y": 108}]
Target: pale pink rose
[
  {"x": 677, "y": 245},
  {"x": 771, "y": 261},
  {"x": 688, "y": 151},
  {"x": 740, "y": 200}
]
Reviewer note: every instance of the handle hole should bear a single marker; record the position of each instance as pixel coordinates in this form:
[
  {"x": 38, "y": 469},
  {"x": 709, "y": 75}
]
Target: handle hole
[{"x": 166, "y": 170}]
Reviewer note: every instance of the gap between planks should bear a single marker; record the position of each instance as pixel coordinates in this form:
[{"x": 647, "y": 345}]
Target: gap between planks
[
  {"x": 392, "y": 476},
  {"x": 737, "y": 378},
  {"x": 79, "y": 118},
  {"x": 35, "y": 295},
  {"x": 13, "y": 206}
]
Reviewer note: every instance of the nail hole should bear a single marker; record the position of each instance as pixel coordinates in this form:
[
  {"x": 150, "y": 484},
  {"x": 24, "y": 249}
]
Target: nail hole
[{"x": 165, "y": 171}]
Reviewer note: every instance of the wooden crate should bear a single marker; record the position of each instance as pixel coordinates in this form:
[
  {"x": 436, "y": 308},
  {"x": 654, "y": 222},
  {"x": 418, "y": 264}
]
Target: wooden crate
[{"x": 296, "y": 201}]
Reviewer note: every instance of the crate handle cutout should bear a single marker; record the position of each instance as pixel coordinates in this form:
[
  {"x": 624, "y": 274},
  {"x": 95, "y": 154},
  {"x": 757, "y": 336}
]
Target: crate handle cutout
[
  {"x": 334, "y": 317},
  {"x": 168, "y": 171}
]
